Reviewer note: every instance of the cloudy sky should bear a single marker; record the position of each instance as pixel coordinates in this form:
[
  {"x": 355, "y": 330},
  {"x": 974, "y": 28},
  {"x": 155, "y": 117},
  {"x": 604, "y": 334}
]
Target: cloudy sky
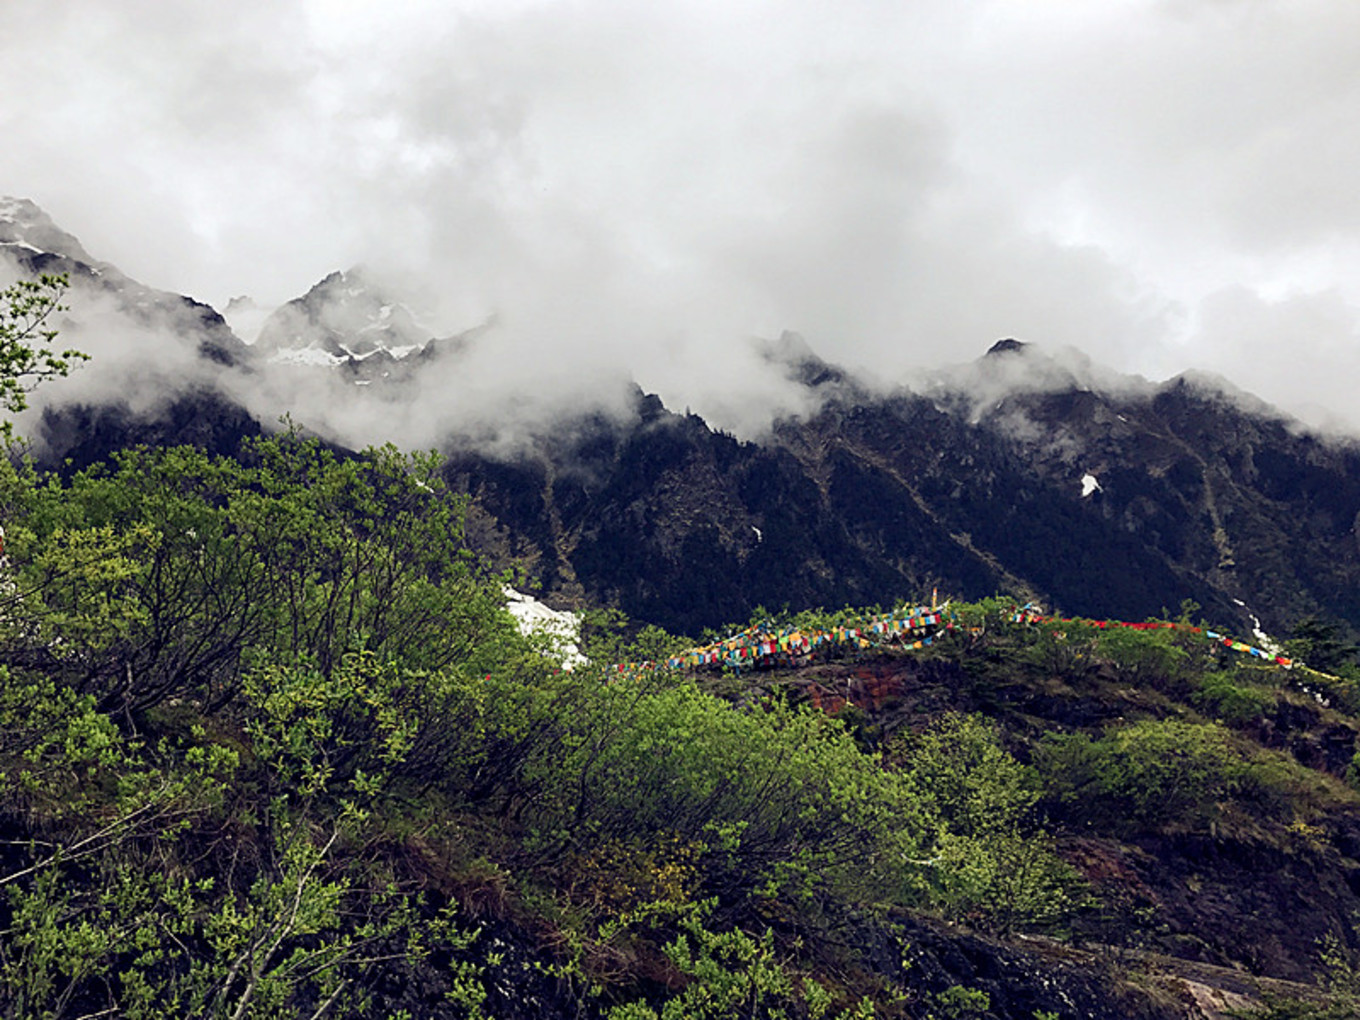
[{"x": 1164, "y": 184}]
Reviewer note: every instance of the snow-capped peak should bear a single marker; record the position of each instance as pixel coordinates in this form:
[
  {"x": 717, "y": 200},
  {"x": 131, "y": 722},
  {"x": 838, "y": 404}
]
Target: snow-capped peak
[
  {"x": 24, "y": 223},
  {"x": 348, "y": 315}
]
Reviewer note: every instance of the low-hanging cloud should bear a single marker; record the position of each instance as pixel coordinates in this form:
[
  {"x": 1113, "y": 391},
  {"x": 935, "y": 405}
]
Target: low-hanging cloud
[
  {"x": 633, "y": 191},
  {"x": 140, "y": 358}
]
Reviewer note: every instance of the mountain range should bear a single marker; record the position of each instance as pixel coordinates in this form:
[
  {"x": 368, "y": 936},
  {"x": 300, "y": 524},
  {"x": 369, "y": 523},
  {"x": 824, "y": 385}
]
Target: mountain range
[
  {"x": 1027, "y": 471},
  {"x": 1147, "y": 820}
]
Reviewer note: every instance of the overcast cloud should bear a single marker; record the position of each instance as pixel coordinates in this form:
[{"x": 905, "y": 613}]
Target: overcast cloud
[{"x": 638, "y": 187}]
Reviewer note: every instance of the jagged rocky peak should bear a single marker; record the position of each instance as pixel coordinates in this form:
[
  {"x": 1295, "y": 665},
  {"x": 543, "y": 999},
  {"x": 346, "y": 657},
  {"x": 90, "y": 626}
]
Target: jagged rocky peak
[
  {"x": 36, "y": 244},
  {"x": 1009, "y": 345},
  {"x": 798, "y": 360},
  {"x": 348, "y": 316},
  {"x": 24, "y": 224}
]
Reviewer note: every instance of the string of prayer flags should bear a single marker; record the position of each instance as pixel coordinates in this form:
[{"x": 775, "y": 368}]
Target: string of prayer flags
[{"x": 914, "y": 629}]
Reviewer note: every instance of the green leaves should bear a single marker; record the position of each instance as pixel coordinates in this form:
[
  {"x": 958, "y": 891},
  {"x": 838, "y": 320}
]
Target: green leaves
[
  {"x": 26, "y": 354},
  {"x": 161, "y": 577},
  {"x": 983, "y": 858},
  {"x": 1152, "y": 773},
  {"x": 780, "y": 799}
]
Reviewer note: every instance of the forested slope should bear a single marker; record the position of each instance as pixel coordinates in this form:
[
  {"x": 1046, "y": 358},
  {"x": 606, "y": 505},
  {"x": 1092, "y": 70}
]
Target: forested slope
[{"x": 271, "y": 746}]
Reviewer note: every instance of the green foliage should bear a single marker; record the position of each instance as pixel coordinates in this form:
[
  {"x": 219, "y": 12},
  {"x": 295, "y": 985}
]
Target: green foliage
[
  {"x": 733, "y": 973},
  {"x": 605, "y": 639},
  {"x": 371, "y": 728},
  {"x": 1231, "y": 695},
  {"x": 1142, "y": 656},
  {"x": 1340, "y": 691},
  {"x": 782, "y": 801},
  {"x": 154, "y": 580},
  {"x": 958, "y": 1001},
  {"x": 26, "y": 354},
  {"x": 1151, "y": 774},
  {"x": 1070, "y": 650},
  {"x": 1321, "y": 645},
  {"x": 107, "y": 905},
  {"x": 985, "y": 860}
]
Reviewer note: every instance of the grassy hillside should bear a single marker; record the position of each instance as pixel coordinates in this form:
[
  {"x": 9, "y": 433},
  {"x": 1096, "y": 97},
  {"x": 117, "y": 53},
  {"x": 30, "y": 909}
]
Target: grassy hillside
[{"x": 270, "y": 746}]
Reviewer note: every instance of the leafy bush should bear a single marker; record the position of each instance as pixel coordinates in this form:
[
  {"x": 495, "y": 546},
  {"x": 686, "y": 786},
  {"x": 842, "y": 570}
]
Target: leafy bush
[
  {"x": 732, "y": 973},
  {"x": 155, "y": 578},
  {"x": 1144, "y": 656},
  {"x": 987, "y": 861},
  {"x": 780, "y": 798},
  {"x": 1151, "y": 774},
  {"x": 1232, "y": 697}
]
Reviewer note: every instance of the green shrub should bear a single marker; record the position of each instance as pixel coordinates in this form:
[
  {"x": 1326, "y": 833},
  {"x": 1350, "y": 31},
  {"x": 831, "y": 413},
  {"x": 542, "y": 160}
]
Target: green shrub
[
  {"x": 1150, "y": 774},
  {"x": 781, "y": 799},
  {"x": 1231, "y": 697},
  {"x": 1144, "y": 656},
  {"x": 987, "y": 860},
  {"x": 158, "y": 577}
]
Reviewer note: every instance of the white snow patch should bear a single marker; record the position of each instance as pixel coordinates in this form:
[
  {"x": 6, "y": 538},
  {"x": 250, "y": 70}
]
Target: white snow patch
[
  {"x": 356, "y": 355},
  {"x": 306, "y": 356},
  {"x": 1089, "y": 484},
  {"x": 760, "y": 535},
  {"x": 561, "y": 629}
]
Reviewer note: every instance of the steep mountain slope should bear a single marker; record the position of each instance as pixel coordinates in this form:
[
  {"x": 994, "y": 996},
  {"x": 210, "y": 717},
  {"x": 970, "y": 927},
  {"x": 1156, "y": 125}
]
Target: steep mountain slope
[
  {"x": 1198, "y": 498},
  {"x": 1025, "y": 472},
  {"x": 154, "y": 324},
  {"x": 34, "y": 244},
  {"x": 348, "y": 321}
]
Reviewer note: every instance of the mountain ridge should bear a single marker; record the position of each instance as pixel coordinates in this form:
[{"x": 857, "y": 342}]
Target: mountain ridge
[
  {"x": 1026, "y": 470},
  {"x": 1000, "y": 810}
]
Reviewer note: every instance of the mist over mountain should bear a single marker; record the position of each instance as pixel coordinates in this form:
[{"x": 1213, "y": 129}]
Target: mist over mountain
[{"x": 1026, "y": 470}]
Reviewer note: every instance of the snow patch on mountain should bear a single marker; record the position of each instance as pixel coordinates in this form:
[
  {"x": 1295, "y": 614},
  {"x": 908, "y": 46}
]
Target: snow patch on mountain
[
  {"x": 561, "y": 630},
  {"x": 348, "y": 315},
  {"x": 306, "y": 356},
  {"x": 1262, "y": 638},
  {"x": 23, "y": 222}
]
